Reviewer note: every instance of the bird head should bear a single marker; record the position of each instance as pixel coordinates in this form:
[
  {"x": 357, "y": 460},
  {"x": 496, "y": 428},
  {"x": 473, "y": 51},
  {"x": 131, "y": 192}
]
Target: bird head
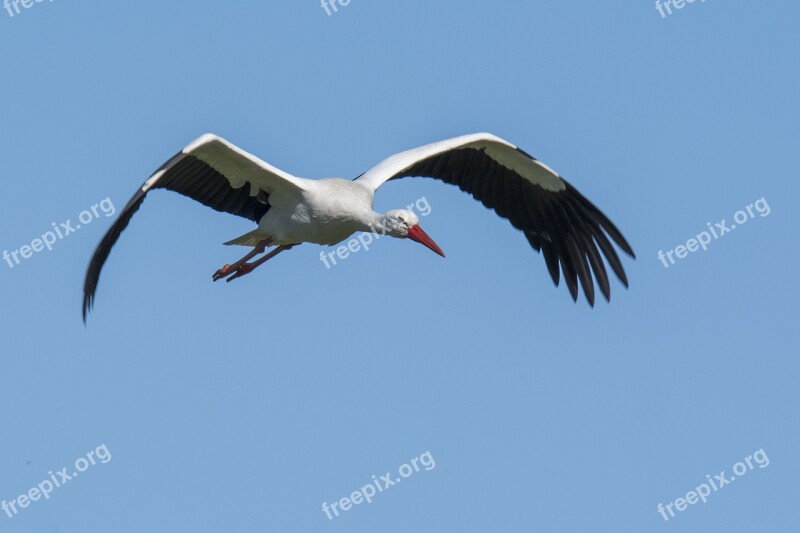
[{"x": 404, "y": 224}]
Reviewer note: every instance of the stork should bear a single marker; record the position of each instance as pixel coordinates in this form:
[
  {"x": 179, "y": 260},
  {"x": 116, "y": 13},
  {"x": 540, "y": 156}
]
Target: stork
[{"x": 555, "y": 218}]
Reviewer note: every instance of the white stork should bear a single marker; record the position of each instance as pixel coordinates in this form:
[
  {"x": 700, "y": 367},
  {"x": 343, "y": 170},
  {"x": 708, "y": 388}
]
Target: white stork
[{"x": 555, "y": 218}]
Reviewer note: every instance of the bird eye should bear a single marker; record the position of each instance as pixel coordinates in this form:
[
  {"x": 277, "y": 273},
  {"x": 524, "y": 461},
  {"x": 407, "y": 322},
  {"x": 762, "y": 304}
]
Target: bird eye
[{"x": 401, "y": 219}]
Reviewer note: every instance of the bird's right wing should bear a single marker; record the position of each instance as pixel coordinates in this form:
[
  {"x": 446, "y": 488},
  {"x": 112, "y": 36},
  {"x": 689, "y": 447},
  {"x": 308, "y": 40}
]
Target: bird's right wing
[
  {"x": 212, "y": 171},
  {"x": 556, "y": 219}
]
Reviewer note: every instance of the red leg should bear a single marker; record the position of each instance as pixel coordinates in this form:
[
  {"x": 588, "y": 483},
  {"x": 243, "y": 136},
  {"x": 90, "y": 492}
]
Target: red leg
[
  {"x": 246, "y": 268},
  {"x": 228, "y": 269}
]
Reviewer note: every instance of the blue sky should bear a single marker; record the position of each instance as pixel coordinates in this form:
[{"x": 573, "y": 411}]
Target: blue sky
[{"x": 245, "y": 406}]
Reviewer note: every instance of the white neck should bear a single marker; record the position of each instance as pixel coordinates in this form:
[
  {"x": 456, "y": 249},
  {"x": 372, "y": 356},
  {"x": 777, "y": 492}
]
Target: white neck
[{"x": 375, "y": 222}]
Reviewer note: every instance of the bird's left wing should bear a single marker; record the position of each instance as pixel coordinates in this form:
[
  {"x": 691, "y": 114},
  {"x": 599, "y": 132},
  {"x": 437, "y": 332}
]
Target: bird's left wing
[
  {"x": 555, "y": 218},
  {"x": 212, "y": 171}
]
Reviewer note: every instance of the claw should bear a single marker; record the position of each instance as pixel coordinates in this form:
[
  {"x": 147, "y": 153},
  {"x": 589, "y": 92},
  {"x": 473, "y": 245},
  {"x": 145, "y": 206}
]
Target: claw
[
  {"x": 221, "y": 273},
  {"x": 242, "y": 267},
  {"x": 227, "y": 269},
  {"x": 241, "y": 271}
]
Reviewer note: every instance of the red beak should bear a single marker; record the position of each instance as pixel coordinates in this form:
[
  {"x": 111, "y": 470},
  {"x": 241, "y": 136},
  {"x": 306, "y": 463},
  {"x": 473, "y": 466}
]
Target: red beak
[{"x": 415, "y": 233}]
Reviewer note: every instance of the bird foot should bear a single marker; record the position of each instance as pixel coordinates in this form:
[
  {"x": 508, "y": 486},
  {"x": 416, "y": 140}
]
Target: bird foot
[
  {"x": 221, "y": 273},
  {"x": 241, "y": 271}
]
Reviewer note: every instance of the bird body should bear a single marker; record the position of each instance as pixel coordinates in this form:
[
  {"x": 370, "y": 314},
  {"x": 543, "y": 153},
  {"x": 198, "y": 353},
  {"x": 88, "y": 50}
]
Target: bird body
[
  {"x": 555, "y": 218},
  {"x": 327, "y": 211}
]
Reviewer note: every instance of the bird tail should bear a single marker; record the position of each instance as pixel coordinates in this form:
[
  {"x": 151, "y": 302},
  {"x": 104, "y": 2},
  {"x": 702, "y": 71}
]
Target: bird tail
[{"x": 251, "y": 238}]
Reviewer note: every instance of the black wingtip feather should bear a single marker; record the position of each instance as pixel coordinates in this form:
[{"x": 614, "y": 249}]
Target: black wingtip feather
[
  {"x": 611, "y": 255},
  {"x": 104, "y": 249},
  {"x": 571, "y": 233},
  {"x": 603, "y": 220},
  {"x": 552, "y": 262}
]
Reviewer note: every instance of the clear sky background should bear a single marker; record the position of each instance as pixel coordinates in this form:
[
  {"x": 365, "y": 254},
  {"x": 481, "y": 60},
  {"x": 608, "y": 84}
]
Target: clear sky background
[{"x": 245, "y": 406}]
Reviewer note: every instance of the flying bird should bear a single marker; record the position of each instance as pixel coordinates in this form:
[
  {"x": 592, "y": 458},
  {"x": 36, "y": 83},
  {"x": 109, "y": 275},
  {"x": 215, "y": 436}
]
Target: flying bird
[{"x": 568, "y": 230}]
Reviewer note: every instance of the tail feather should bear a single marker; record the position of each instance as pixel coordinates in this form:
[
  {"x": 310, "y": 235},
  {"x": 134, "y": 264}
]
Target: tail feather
[{"x": 251, "y": 238}]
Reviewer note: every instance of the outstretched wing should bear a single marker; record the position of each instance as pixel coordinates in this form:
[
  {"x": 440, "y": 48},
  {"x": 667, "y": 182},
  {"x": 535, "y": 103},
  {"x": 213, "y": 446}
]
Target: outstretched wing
[
  {"x": 210, "y": 170},
  {"x": 555, "y": 218}
]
